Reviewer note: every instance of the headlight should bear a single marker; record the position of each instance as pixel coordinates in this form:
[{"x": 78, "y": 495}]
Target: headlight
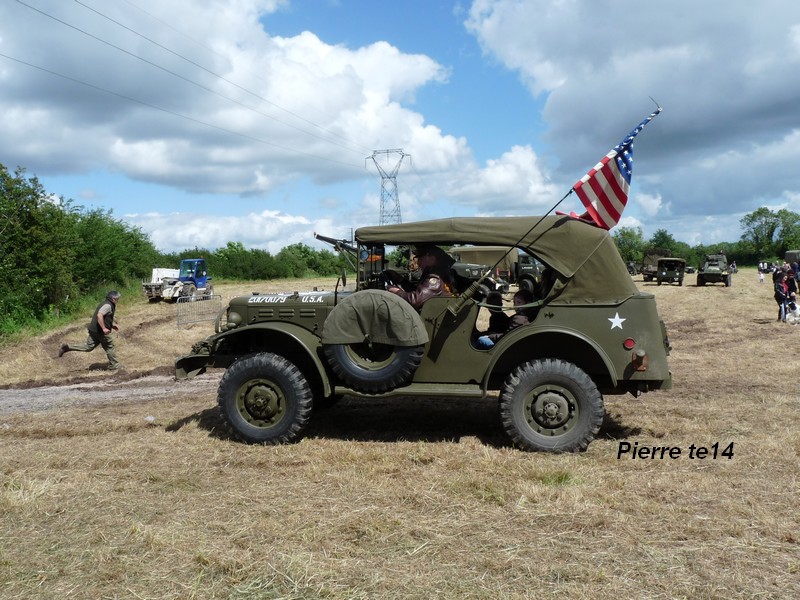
[{"x": 234, "y": 319}]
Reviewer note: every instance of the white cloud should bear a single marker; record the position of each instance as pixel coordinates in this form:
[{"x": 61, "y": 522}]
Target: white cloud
[
  {"x": 250, "y": 114},
  {"x": 268, "y": 114},
  {"x": 650, "y": 204},
  {"x": 721, "y": 78},
  {"x": 512, "y": 183},
  {"x": 268, "y": 230}
]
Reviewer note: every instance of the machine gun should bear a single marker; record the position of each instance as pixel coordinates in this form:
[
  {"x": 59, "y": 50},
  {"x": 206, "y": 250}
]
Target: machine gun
[
  {"x": 342, "y": 246},
  {"x": 338, "y": 245}
]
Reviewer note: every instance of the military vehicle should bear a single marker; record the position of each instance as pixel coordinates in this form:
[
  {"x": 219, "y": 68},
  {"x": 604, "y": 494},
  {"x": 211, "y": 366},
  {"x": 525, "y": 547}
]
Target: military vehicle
[
  {"x": 507, "y": 264},
  {"x": 714, "y": 270},
  {"x": 650, "y": 262},
  {"x": 592, "y": 332},
  {"x": 670, "y": 270}
]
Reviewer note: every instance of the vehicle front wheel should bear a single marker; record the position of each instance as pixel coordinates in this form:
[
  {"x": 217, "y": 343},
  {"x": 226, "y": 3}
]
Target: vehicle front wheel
[
  {"x": 551, "y": 405},
  {"x": 265, "y": 398}
]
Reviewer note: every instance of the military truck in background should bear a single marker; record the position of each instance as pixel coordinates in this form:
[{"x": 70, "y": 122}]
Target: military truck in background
[
  {"x": 591, "y": 332},
  {"x": 670, "y": 270},
  {"x": 649, "y": 268},
  {"x": 714, "y": 269},
  {"x": 507, "y": 264}
]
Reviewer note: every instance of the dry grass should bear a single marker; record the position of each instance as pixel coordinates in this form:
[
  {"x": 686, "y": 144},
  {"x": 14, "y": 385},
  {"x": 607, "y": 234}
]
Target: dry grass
[{"x": 411, "y": 498}]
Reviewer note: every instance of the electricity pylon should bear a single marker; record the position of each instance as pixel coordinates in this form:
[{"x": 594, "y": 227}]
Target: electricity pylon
[{"x": 390, "y": 201}]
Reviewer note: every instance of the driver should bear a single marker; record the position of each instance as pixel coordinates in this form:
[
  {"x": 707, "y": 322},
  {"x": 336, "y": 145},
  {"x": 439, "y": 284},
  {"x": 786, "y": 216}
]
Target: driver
[{"x": 436, "y": 278}]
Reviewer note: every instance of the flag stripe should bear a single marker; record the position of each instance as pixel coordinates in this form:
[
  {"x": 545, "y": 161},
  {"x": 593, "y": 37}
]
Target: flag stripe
[{"x": 606, "y": 194}]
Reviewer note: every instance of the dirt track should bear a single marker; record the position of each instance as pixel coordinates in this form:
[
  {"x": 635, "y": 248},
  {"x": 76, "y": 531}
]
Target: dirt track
[
  {"x": 87, "y": 393},
  {"x": 34, "y": 378}
]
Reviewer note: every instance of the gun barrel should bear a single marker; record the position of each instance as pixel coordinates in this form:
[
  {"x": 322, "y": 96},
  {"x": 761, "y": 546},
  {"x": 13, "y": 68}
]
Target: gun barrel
[{"x": 337, "y": 244}]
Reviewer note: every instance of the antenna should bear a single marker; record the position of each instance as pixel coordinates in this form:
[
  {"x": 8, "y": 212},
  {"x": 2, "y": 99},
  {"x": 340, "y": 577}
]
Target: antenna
[{"x": 390, "y": 202}]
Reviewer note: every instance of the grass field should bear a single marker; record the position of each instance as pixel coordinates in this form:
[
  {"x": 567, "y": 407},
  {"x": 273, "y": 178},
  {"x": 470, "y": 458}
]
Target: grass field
[{"x": 407, "y": 498}]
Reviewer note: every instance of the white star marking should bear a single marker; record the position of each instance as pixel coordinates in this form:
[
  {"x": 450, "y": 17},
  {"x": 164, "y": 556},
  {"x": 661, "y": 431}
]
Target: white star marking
[{"x": 616, "y": 321}]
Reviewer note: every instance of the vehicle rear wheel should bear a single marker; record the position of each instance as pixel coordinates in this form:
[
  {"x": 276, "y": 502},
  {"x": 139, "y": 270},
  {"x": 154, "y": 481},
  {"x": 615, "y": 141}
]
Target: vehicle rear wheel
[
  {"x": 551, "y": 405},
  {"x": 265, "y": 398},
  {"x": 373, "y": 368}
]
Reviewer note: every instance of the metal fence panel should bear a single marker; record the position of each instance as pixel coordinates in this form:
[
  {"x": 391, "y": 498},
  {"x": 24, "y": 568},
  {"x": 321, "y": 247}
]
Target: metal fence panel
[{"x": 195, "y": 310}]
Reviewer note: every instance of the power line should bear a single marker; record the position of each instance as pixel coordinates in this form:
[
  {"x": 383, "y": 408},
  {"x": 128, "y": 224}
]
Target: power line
[
  {"x": 251, "y": 73},
  {"x": 228, "y": 81},
  {"x": 177, "y": 75},
  {"x": 173, "y": 113}
]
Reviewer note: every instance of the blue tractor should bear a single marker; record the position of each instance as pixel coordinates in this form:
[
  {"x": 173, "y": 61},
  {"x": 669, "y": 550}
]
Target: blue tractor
[{"x": 192, "y": 281}]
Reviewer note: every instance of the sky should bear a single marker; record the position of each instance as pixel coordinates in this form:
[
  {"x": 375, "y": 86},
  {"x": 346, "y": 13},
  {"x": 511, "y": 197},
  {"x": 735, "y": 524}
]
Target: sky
[{"x": 204, "y": 122}]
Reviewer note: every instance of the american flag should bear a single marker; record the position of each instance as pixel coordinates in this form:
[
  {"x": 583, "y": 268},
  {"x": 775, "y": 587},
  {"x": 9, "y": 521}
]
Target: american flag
[{"x": 604, "y": 189}]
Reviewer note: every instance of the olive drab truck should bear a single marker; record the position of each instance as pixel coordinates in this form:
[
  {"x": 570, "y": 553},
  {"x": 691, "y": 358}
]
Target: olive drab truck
[
  {"x": 592, "y": 333},
  {"x": 670, "y": 270},
  {"x": 649, "y": 267},
  {"x": 507, "y": 264}
]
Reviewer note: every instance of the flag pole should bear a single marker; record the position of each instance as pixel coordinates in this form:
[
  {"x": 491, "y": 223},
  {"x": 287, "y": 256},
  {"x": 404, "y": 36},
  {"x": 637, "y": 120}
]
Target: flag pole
[{"x": 470, "y": 292}]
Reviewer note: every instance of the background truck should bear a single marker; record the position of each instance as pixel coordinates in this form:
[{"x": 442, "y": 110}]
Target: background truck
[
  {"x": 671, "y": 270},
  {"x": 650, "y": 262},
  {"x": 714, "y": 270},
  {"x": 510, "y": 265},
  {"x": 190, "y": 280}
]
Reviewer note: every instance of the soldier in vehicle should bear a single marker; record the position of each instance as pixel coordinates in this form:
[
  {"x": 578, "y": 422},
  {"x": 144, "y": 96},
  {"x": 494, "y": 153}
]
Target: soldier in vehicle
[
  {"x": 436, "y": 280},
  {"x": 498, "y": 320},
  {"x": 99, "y": 329},
  {"x": 522, "y": 316}
]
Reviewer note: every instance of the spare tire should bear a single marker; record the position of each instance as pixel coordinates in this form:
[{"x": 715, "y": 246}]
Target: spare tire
[
  {"x": 373, "y": 368},
  {"x": 373, "y": 341}
]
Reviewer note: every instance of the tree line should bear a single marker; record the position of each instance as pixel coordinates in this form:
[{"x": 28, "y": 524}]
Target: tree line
[
  {"x": 766, "y": 236},
  {"x": 54, "y": 254}
]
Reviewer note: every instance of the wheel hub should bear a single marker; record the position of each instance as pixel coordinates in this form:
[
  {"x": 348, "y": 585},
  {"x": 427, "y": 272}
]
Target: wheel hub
[
  {"x": 550, "y": 408},
  {"x": 261, "y": 402}
]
